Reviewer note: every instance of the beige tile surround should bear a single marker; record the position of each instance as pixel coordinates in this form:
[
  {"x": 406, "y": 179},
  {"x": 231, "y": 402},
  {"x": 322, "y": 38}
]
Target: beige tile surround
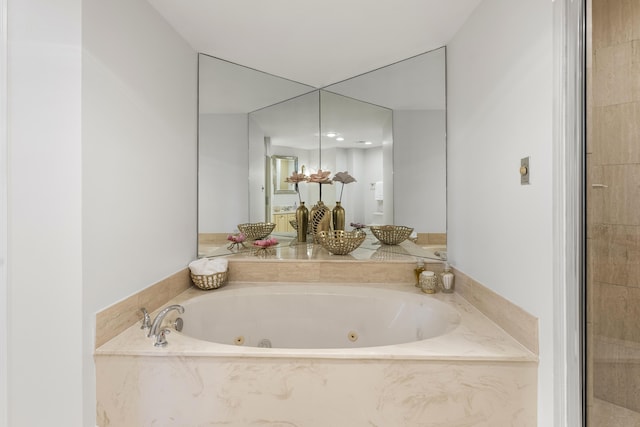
[
  {"x": 115, "y": 319},
  {"x": 515, "y": 321},
  {"x": 431, "y": 239}
]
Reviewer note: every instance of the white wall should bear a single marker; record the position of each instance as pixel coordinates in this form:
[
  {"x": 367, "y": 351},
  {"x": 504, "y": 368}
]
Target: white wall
[
  {"x": 44, "y": 214},
  {"x": 139, "y": 115},
  {"x": 222, "y": 166},
  {"x": 373, "y": 158},
  {"x": 499, "y": 110},
  {"x": 3, "y": 214},
  {"x": 419, "y": 149}
]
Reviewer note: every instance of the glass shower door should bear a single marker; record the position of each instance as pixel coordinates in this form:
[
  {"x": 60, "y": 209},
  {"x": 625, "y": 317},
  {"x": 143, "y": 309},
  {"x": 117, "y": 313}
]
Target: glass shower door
[{"x": 613, "y": 214}]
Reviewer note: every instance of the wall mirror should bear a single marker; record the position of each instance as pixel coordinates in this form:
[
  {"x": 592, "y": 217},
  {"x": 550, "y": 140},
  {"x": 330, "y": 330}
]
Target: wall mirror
[
  {"x": 281, "y": 168},
  {"x": 331, "y": 132},
  {"x": 246, "y": 117}
]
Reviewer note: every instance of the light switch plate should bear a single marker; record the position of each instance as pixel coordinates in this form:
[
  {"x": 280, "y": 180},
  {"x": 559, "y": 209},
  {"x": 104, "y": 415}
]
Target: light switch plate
[{"x": 525, "y": 171}]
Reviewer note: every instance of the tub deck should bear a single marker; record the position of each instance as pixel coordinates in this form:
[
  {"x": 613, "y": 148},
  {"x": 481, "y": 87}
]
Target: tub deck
[
  {"x": 474, "y": 375},
  {"x": 476, "y": 337}
]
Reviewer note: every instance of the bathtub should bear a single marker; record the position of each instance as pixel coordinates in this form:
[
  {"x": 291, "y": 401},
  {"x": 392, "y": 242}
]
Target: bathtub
[
  {"x": 316, "y": 317},
  {"x": 348, "y": 355}
]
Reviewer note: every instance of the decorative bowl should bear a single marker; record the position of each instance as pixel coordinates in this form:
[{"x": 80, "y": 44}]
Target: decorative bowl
[
  {"x": 391, "y": 234},
  {"x": 341, "y": 242},
  {"x": 256, "y": 230}
]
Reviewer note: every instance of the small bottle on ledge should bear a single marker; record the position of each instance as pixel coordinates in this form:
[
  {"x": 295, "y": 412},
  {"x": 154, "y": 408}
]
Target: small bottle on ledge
[
  {"x": 419, "y": 269},
  {"x": 447, "y": 279}
]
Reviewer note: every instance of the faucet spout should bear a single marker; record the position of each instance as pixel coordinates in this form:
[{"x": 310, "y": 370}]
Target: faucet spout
[{"x": 156, "y": 327}]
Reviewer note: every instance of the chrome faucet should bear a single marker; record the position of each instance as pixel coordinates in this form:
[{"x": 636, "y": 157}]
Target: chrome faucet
[
  {"x": 146, "y": 319},
  {"x": 156, "y": 327}
]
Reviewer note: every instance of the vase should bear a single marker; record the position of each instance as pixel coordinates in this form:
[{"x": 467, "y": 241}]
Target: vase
[
  {"x": 320, "y": 219},
  {"x": 302, "y": 220},
  {"x": 338, "y": 217}
]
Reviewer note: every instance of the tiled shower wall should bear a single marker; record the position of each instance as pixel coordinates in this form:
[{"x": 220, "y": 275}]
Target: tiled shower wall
[{"x": 613, "y": 212}]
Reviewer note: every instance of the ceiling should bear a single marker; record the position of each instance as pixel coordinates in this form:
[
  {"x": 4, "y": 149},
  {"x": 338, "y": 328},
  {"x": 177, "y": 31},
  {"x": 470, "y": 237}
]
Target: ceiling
[{"x": 315, "y": 42}]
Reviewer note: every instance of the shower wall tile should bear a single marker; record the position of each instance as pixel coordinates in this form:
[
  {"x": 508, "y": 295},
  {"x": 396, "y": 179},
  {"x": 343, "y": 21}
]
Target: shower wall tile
[
  {"x": 616, "y": 76},
  {"x": 589, "y": 108},
  {"x": 607, "y": 414},
  {"x": 616, "y": 311},
  {"x": 616, "y": 134},
  {"x": 614, "y": 255},
  {"x": 622, "y": 197},
  {"x": 616, "y": 382},
  {"x": 615, "y": 22}
]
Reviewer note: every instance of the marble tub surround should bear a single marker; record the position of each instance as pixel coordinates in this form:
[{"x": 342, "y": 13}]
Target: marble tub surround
[
  {"x": 210, "y": 242},
  {"x": 250, "y": 269},
  {"x": 513, "y": 319},
  {"x": 116, "y": 318},
  {"x": 281, "y": 264},
  {"x": 475, "y": 338},
  {"x": 475, "y": 374},
  {"x": 187, "y": 391},
  {"x": 431, "y": 239}
]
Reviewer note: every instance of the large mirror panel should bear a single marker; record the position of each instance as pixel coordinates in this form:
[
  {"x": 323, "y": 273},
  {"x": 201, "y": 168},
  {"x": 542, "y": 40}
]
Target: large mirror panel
[
  {"x": 289, "y": 128},
  {"x": 227, "y": 94},
  {"x": 247, "y": 118},
  {"x": 357, "y": 137},
  {"x": 415, "y": 90}
]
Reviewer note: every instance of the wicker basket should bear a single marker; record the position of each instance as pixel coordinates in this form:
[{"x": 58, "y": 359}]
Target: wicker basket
[
  {"x": 341, "y": 242},
  {"x": 211, "y": 281},
  {"x": 391, "y": 234},
  {"x": 257, "y": 230}
]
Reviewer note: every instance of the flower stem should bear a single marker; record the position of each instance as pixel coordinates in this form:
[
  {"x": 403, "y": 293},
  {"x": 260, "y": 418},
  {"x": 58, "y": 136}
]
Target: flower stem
[{"x": 341, "y": 190}]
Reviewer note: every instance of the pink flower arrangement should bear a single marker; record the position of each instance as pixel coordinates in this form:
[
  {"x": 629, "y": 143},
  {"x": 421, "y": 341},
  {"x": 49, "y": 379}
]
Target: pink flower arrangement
[
  {"x": 265, "y": 243},
  {"x": 297, "y": 178},
  {"x": 344, "y": 178},
  {"x": 322, "y": 177},
  {"x": 236, "y": 238}
]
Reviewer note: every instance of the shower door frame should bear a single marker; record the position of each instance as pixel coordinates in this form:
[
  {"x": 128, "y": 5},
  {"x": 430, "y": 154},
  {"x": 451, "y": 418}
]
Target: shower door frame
[
  {"x": 4, "y": 173},
  {"x": 569, "y": 44}
]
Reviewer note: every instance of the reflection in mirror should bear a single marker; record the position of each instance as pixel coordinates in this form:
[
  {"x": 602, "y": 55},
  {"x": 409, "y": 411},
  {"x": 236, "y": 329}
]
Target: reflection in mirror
[
  {"x": 412, "y": 188},
  {"x": 227, "y": 94},
  {"x": 281, "y": 168},
  {"x": 415, "y": 90},
  {"x": 356, "y": 137},
  {"x": 289, "y": 128}
]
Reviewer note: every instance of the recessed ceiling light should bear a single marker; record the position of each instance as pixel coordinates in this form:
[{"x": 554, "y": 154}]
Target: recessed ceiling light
[
  {"x": 339, "y": 138},
  {"x": 368, "y": 143},
  {"x": 331, "y": 134}
]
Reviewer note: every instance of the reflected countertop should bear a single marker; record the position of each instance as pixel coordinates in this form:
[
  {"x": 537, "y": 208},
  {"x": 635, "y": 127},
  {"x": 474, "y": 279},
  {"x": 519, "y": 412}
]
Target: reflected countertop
[{"x": 289, "y": 248}]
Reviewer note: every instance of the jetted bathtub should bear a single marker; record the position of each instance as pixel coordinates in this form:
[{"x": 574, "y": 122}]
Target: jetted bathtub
[
  {"x": 341, "y": 355},
  {"x": 316, "y": 317}
]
